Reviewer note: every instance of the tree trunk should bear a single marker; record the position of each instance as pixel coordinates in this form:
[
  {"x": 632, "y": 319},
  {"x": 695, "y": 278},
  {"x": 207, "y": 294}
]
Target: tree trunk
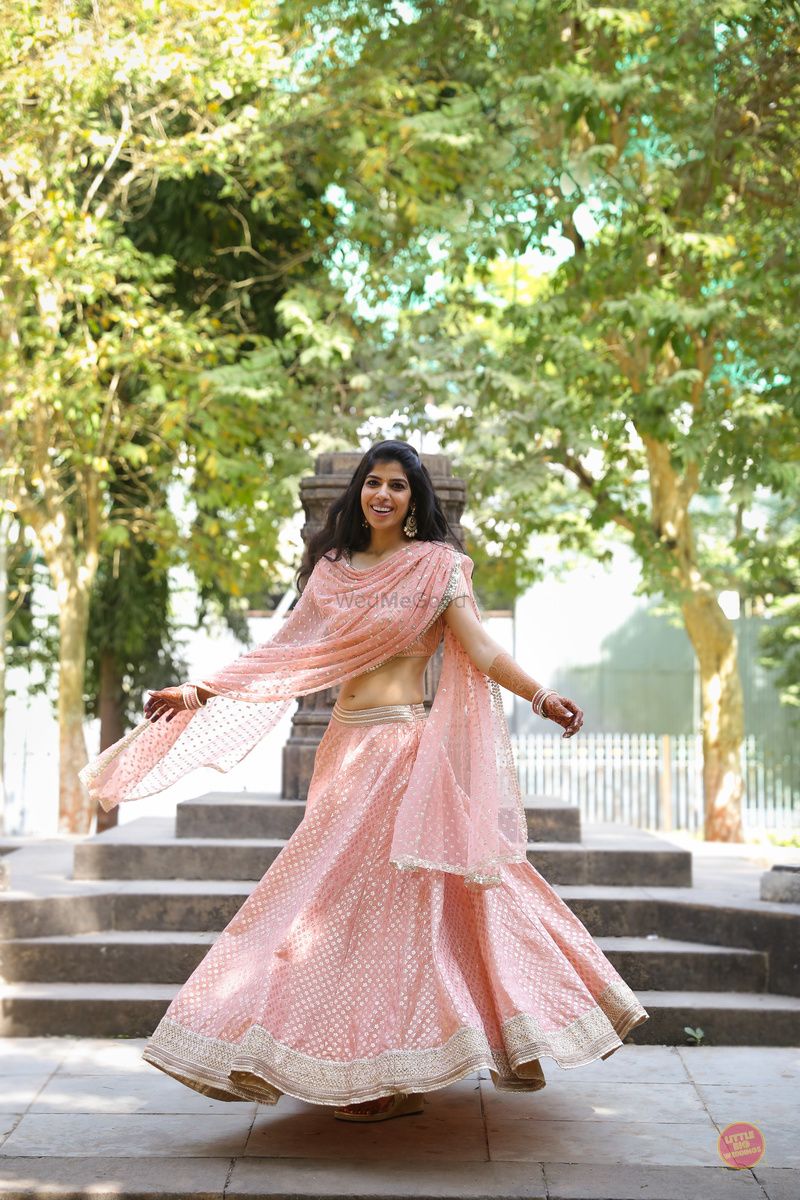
[
  {"x": 713, "y": 638},
  {"x": 76, "y": 811},
  {"x": 111, "y": 726},
  {"x": 714, "y": 642},
  {"x": 70, "y": 545}
]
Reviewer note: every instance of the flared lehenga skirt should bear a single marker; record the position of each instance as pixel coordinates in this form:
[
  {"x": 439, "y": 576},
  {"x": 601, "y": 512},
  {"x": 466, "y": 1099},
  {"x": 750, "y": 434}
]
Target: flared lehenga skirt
[{"x": 342, "y": 978}]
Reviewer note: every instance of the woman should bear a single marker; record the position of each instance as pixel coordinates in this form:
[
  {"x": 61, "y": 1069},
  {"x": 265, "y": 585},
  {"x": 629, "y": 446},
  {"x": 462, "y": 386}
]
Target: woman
[{"x": 401, "y": 939}]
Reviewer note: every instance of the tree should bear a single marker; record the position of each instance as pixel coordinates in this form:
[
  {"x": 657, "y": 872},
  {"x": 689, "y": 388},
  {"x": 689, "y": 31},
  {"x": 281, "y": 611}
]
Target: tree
[
  {"x": 654, "y": 378},
  {"x": 110, "y": 350}
]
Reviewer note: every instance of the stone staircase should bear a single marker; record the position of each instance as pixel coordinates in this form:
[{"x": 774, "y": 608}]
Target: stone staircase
[{"x": 97, "y": 940}]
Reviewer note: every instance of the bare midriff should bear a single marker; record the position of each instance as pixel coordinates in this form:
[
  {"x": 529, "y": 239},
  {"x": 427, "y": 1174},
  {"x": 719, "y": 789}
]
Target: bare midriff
[{"x": 397, "y": 681}]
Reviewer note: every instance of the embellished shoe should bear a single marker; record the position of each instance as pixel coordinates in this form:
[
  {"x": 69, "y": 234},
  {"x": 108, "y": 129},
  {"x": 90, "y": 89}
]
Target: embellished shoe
[{"x": 403, "y": 1104}]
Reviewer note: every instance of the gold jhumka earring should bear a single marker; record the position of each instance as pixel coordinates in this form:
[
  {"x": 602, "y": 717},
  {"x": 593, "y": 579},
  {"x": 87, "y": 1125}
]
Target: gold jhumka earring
[{"x": 410, "y": 523}]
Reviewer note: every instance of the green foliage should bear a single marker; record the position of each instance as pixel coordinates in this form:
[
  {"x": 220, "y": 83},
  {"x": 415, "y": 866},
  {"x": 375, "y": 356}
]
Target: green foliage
[
  {"x": 131, "y": 632},
  {"x": 152, "y": 221},
  {"x": 662, "y": 352},
  {"x": 31, "y": 635},
  {"x": 228, "y": 234}
]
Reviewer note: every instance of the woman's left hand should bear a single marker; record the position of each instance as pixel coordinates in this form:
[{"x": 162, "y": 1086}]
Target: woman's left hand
[
  {"x": 564, "y": 712},
  {"x": 166, "y": 702}
]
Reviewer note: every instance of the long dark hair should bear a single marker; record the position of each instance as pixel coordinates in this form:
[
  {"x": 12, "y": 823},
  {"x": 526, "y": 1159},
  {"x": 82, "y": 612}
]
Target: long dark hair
[{"x": 343, "y": 528}]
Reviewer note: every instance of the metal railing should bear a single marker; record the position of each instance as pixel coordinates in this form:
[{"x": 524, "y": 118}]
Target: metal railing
[{"x": 655, "y": 780}]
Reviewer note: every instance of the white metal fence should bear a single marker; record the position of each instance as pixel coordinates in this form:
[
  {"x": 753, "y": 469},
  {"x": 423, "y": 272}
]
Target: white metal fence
[{"x": 653, "y": 780}]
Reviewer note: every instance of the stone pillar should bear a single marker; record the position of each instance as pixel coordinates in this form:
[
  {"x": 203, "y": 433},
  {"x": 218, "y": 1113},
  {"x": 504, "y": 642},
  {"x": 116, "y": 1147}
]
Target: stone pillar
[{"x": 317, "y": 491}]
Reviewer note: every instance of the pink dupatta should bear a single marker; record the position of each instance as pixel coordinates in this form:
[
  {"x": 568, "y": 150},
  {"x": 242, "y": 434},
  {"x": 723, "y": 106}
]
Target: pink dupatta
[{"x": 462, "y": 810}]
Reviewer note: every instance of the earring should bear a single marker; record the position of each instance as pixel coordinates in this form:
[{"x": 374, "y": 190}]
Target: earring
[
  {"x": 364, "y": 522},
  {"x": 410, "y": 523}
]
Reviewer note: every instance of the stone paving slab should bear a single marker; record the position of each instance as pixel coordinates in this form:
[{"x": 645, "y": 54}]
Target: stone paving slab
[
  {"x": 19, "y": 1056},
  {"x": 761, "y": 1065},
  {"x": 452, "y": 1129},
  {"x": 113, "y": 1178},
  {"x": 373, "y": 1180},
  {"x": 593, "y": 1143},
  {"x": 778, "y": 1183},
  {"x": 89, "y": 1118},
  {"x": 116, "y": 1093},
  {"x": 130, "y": 1135},
  {"x": 567, "y": 1181},
  {"x": 354, "y": 1179}
]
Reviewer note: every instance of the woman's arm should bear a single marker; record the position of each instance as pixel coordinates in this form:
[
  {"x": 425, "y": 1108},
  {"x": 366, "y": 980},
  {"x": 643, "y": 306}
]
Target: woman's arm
[{"x": 490, "y": 657}]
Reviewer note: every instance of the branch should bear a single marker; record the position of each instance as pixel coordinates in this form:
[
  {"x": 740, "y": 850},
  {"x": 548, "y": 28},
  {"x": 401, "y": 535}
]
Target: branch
[
  {"x": 595, "y": 488},
  {"x": 108, "y": 164}
]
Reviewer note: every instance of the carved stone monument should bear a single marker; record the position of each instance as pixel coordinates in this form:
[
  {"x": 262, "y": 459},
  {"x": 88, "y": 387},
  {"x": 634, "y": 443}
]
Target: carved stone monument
[{"x": 317, "y": 491}]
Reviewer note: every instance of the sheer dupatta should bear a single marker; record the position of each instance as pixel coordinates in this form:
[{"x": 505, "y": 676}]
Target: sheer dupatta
[
  {"x": 462, "y": 810},
  {"x": 458, "y": 813}
]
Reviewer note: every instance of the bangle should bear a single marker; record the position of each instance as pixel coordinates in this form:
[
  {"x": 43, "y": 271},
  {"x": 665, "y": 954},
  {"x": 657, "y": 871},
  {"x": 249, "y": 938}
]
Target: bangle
[
  {"x": 191, "y": 697},
  {"x": 539, "y": 699}
]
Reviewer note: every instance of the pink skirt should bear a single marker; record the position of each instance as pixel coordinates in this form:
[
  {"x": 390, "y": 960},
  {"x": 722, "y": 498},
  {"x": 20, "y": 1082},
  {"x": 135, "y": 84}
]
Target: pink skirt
[{"x": 342, "y": 978}]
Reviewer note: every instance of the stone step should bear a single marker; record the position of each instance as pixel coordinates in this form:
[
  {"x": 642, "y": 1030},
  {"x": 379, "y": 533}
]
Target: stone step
[
  {"x": 266, "y": 815},
  {"x": 57, "y": 905},
  {"x": 156, "y": 956},
  {"x": 606, "y": 856},
  {"x": 167, "y": 904},
  {"x": 189, "y": 905},
  {"x": 133, "y": 1010},
  {"x": 654, "y": 963},
  {"x": 106, "y": 956},
  {"x": 177, "y": 858},
  {"x": 551, "y": 819},
  {"x": 237, "y": 815}
]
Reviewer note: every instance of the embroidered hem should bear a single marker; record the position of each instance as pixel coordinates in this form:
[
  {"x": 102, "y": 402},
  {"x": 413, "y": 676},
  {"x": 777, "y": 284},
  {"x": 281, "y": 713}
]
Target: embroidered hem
[{"x": 263, "y": 1069}]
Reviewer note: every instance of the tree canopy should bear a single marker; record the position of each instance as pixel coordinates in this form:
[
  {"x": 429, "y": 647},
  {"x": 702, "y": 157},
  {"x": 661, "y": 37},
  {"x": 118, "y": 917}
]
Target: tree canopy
[{"x": 229, "y": 233}]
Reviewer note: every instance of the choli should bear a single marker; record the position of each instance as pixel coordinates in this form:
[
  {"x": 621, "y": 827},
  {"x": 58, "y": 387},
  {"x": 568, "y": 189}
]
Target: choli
[{"x": 425, "y": 645}]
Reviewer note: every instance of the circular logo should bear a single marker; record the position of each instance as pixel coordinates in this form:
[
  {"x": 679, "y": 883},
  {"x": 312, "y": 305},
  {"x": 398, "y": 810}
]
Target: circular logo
[{"x": 740, "y": 1145}]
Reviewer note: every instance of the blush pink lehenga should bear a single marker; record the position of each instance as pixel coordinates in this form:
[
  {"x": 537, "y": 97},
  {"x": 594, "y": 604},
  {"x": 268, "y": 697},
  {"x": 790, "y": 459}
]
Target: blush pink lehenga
[
  {"x": 400, "y": 940},
  {"x": 342, "y": 979}
]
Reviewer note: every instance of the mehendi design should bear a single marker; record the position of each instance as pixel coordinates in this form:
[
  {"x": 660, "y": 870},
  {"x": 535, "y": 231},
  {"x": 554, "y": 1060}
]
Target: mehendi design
[{"x": 505, "y": 671}]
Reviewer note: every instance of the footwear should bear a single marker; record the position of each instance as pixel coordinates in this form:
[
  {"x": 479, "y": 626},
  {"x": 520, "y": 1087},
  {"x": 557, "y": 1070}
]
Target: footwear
[{"x": 403, "y": 1104}]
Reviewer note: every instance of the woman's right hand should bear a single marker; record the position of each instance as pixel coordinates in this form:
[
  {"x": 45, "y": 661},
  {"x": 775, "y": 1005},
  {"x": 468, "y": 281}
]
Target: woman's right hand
[
  {"x": 167, "y": 700},
  {"x": 564, "y": 712}
]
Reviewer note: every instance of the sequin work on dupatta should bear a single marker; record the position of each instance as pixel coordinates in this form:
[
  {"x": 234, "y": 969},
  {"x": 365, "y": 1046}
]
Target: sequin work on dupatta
[
  {"x": 335, "y": 629},
  {"x": 461, "y": 811}
]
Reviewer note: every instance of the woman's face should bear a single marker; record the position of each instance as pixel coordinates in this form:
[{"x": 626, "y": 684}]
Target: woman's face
[{"x": 385, "y": 496}]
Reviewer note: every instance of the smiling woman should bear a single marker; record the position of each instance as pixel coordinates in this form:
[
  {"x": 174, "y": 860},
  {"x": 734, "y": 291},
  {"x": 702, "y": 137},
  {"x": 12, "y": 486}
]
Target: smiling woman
[{"x": 400, "y": 940}]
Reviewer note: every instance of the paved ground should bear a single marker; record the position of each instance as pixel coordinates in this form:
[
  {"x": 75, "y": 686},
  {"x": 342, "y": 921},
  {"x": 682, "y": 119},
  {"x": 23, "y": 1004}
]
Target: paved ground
[
  {"x": 90, "y": 1118},
  {"x": 733, "y": 869}
]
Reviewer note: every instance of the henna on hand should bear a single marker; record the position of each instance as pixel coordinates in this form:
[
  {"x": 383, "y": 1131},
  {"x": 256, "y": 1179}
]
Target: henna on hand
[
  {"x": 510, "y": 674},
  {"x": 164, "y": 702},
  {"x": 565, "y": 712},
  {"x": 505, "y": 671}
]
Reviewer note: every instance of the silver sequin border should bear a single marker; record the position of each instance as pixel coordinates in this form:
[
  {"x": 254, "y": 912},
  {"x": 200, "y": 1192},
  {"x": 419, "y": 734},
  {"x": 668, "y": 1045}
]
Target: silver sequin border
[{"x": 263, "y": 1069}]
